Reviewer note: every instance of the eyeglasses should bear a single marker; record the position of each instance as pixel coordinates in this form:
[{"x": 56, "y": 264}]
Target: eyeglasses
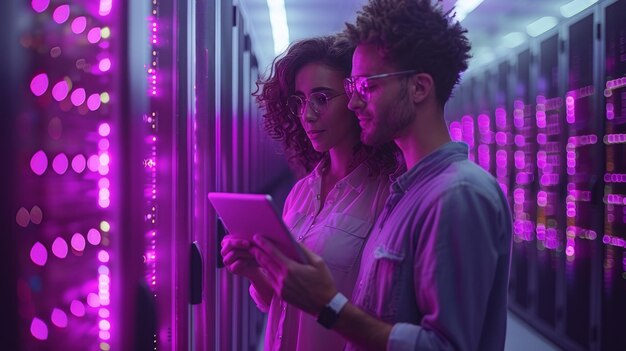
[
  {"x": 360, "y": 85},
  {"x": 318, "y": 102}
]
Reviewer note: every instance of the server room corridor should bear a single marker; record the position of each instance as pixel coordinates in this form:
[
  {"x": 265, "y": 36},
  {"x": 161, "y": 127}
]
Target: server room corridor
[{"x": 119, "y": 117}]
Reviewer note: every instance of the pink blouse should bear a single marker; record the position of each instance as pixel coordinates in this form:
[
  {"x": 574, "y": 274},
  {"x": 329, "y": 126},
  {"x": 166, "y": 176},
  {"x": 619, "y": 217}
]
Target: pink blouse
[{"x": 337, "y": 233}]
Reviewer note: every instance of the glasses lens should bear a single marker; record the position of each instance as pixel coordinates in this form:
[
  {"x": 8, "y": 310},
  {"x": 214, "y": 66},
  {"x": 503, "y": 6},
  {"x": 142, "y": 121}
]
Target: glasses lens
[
  {"x": 294, "y": 103},
  {"x": 318, "y": 102},
  {"x": 348, "y": 86},
  {"x": 360, "y": 85}
]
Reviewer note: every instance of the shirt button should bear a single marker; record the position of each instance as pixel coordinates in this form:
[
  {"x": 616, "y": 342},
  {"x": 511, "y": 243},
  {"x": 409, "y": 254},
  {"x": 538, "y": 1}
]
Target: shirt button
[
  {"x": 300, "y": 237},
  {"x": 280, "y": 336}
]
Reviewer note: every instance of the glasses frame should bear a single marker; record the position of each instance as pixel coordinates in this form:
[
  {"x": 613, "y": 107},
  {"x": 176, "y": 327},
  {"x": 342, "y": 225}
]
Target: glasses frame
[
  {"x": 351, "y": 82},
  {"x": 308, "y": 101}
]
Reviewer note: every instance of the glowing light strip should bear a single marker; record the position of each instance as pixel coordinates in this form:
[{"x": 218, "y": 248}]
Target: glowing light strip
[
  {"x": 280, "y": 29},
  {"x": 541, "y": 26},
  {"x": 572, "y": 8},
  {"x": 464, "y": 7}
]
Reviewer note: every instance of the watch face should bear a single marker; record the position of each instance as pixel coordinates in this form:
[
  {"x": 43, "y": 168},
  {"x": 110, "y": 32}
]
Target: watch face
[{"x": 327, "y": 317}]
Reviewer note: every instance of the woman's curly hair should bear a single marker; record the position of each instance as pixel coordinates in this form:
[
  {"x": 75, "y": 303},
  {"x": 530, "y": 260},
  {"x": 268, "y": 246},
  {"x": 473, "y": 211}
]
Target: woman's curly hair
[
  {"x": 334, "y": 52},
  {"x": 414, "y": 34}
]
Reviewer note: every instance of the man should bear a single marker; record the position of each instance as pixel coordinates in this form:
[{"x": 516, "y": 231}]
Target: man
[{"x": 434, "y": 272}]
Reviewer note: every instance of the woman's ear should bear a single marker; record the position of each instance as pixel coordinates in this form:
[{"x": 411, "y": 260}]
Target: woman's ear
[{"x": 421, "y": 86}]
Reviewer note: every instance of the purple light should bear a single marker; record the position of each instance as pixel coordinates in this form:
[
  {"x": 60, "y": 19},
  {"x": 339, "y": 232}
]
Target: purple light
[
  {"x": 104, "y": 159},
  {"x": 103, "y": 313},
  {"x": 104, "y": 129},
  {"x": 105, "y": 7},
  {"x": 93, "y": 163},
  {"x": 103, "y": 183},
  {"x": 78, "y": 97},
  {"x": 79, "y": 24},
  {"x": 39, "y": 84},
  {"x": 61, "y": 14},
  {"x": 104, "y": 325},
  {"x": 93, "y": 102},
  {"x": 60, "y": 90},
  {"x": 103, "y": 256},
  {"x": 104, "y": 202},
  {"x": 39, "y": 329},
  {"x": 78, "y": 242},
  {"x": 22, "y": 217},
  {"x": 569, "y": 251},
  {"x": 60, "y": 163},
  {"x": 104, "y": 65},
  {"x": 78, "y": 163},
  {"x": 103, "y": 144},
  {"x": 93, "y": 236},
  {"x": 38, "y": 254},
  {"x": 59, "y": 247},
  {"x": 36, "y": 215},
  {"x": 94, "y": 35},
  {"x": 93, "y": 300},
  {"x": 104, "y": 335},
  {"x": 59, "y": 318},
  {"x": 40, "y": 5},
  {"x": 77, "y": 308}
]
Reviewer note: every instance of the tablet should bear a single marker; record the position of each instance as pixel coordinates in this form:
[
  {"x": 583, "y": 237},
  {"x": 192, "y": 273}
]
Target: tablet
[{"x": 244, "y": 215}]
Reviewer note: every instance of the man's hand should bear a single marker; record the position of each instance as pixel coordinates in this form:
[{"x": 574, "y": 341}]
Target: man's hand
[{"x": 309, "y": 287}]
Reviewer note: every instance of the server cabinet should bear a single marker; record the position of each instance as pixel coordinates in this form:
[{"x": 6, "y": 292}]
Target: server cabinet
[
  {"x": 550, "y": 161},
  {"x": 76, "y": 268},
  {"x": 504, "y": 129},
  {"x": 614, "y": 140},
  {"x": 584, "y": 160}
]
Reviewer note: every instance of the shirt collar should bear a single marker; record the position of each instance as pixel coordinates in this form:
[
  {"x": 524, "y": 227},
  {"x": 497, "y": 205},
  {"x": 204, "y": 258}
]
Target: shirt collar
[
  {"x": 355, "y": 179},
  {"x": 434, "y": 162}
]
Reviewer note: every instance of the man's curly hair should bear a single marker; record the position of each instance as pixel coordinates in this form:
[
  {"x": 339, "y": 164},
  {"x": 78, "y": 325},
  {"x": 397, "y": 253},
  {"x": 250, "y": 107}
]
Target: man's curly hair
[
  {"x": 415, "y": 34},
  {"x": 334, "y": 52}
]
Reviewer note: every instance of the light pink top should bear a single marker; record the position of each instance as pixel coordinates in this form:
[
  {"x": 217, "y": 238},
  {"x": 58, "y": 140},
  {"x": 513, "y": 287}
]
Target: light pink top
[{"x": 337, "y": 233}]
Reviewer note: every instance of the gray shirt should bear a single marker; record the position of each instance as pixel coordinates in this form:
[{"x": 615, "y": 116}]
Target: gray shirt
[{"x": 436, "y": 264}]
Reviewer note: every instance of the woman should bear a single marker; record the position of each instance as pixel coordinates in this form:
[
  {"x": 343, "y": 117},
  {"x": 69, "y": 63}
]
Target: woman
[{"x": 331, "y": 210}]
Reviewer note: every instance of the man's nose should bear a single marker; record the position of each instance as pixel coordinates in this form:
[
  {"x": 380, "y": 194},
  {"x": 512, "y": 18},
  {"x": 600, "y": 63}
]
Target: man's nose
[{"x": 355, "y": 103}]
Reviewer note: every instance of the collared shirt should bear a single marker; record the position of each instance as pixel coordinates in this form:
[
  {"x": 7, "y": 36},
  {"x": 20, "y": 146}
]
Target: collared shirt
[
  {"x": 337, "y": 233},
  {"x": 436, "y": 265}
]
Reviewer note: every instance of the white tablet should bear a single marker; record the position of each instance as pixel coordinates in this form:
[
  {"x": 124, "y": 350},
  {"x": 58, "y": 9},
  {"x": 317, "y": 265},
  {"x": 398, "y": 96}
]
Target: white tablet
[{"x": 244, "y": 215}]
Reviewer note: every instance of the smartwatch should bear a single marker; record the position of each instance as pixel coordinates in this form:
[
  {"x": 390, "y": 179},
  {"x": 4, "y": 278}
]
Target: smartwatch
[{"x": 330, "y": 313}]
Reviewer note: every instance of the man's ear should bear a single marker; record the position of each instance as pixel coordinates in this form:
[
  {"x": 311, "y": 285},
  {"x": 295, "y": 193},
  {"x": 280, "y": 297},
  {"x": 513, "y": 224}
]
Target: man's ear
[{"x": 421, "y": 86}]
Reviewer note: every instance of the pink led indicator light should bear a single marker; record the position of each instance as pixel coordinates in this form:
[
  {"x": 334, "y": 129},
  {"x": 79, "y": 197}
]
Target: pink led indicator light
[
  {"x": 79, "y": 163},
  {"x": 39, "y": 329},
  {"x": 39, "y": 162},
  {"x": 61, "y": 14},
  {"x": 104, "y": 65},
  {"x": 94, "y": 36},
  {"x": 103, "y": 144},
  {"x": 77, "y": 308},
  {"x": 104, "y": 325},
  {"x": 78, "y": 97},
  {"x": 104, "y": 335},
  {"x": 38, "y": 254},
  {"x": 93, "y": 300},
  {"x": 93, "y": 102},
  {"x": 78, "y": 242},
  {"x": 103, "y": 256},
  {"x": 22, "y": 217},
  {"x": 93, "y": 163},
  {"x": 105, "y": 7},
  {"x": 36, "y": 215},
  {"x": 39, "y": 84},
  {"x": 40, "y": 5},
  {"x": 59, "y": 318},
  {"x": 60, "y": 163},
  {"x": 59, "y": 248},
  {"x": 79, "y": 24},
  {"x": 60, "y": 90},
  {"x": 104, "y": 129},
  {"x": 93, "y": 236}
]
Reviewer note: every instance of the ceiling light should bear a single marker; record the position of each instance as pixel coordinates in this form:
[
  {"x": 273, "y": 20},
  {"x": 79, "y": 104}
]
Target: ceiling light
[
  {"x": 541, "y": 26},
  {"x": 280, "y": 29},
  {"x": 513, "y": 39},
  {"x": 464, "y": 7},
  {"x": 574, "y": 7}
]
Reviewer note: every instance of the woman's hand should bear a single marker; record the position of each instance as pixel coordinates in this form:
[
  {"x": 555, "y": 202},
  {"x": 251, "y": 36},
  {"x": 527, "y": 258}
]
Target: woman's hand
[{"x": 237, "y": 258}]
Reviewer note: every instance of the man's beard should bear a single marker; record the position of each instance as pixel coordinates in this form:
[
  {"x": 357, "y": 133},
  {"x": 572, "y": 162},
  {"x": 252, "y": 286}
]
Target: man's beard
[{"x": 398, "y": 118}]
